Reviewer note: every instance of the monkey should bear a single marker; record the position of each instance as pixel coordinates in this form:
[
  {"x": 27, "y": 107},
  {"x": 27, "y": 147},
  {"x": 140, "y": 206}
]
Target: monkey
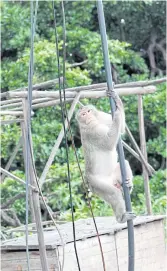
[{"x": 99, "y": 137}]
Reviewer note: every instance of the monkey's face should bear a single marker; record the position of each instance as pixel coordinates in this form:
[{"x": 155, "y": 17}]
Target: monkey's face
[{"x": 86, "y": 114}]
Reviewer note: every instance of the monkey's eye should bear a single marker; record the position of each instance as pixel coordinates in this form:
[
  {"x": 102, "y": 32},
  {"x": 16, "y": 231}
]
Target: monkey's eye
[
  {"x": 83, "y": 114},
  {"x": 89, "y": 110}
]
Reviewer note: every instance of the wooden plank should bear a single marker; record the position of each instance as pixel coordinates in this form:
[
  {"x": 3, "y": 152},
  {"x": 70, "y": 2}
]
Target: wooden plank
[
  {"x": 84, "y": 94},
  {"x": 89, "y": 254},
  {"x": 149, "y": 247},
  {"x": 84, "y": 229},
  {"x": 43, "y": 85},
  {"x": 16, "y": 261},
  {"x": 150, "y": 252},
  {"x": 3, "y": 94},
  {"x": 5, "y": 102},
  {"x": 144, "y": 152},
  {"x": 100, "y": 86},
  {"x": 33, "y": 226},
  {"x": 10, "y": 105},
  {"x": 19, "y": 104},
  {"x": 50, "y": 83},
  {"x": 12, "y": 113},
  {"x": 11, "y": 121},
  {"x": 50, "y": 103}
]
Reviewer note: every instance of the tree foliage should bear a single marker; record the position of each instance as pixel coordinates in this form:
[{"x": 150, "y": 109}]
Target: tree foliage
[{"x": 84, "y": 65}]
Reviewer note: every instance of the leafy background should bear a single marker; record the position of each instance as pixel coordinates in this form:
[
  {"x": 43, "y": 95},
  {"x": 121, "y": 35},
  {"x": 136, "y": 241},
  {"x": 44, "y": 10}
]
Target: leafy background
[{"x": 129, "y": 44}]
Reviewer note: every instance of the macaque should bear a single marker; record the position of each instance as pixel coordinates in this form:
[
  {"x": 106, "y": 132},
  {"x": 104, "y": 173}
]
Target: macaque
[{"x": 99, "y": 137}]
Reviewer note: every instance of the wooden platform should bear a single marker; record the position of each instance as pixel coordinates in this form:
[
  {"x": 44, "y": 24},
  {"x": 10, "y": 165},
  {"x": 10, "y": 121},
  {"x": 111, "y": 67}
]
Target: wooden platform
[{"x": 149, "y": 246}]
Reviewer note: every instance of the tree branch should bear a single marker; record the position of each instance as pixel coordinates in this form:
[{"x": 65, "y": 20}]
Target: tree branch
[
  {"x": 77, "y": 64},
  {"x": 14, "y": 222},
  {"x": 12, "y": 200}
]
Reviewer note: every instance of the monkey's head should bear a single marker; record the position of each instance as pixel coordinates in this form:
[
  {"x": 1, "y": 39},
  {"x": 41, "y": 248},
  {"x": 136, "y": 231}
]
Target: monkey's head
[{"x": 86, "y": 115}]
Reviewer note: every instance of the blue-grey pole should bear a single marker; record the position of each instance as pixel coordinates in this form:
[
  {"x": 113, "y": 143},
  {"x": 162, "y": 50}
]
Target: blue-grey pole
[{"x": 119, "y": 146}]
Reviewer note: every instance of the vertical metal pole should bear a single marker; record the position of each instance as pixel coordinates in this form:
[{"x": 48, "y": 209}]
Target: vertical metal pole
[
  {"x": 35, "y": 195},
  {"x": 30, "y": 167},
  {"x": 23, "y": 130},
  {"x": 119, "y": 147},
  {"x": 144, "y": 152}
]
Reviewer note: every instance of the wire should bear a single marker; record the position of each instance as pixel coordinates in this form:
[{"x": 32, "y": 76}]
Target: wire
[
  {"x": 63, "y": 108},
  {"x": 64, "y": 105},
  {"x": 47, "y": 208},
  {"x": 73, "y": 144},
  {"x": 61, "y": 267},
  {"x": 89, "y": 201}
]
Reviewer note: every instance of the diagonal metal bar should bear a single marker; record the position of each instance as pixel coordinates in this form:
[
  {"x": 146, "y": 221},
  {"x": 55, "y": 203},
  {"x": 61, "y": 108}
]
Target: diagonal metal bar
[
  {"x": 144, "y": 152},
  {"x": 14, "y": 177},
  {"x": 58, "y": 141},
  {"x": 149, "y": 168},
  {"x": 143, "y": 160}
]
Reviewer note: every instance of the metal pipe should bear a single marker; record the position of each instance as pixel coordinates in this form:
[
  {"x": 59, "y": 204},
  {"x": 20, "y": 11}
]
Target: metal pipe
[
  {"x": 119, "y": 146},
  {"x": 29, "y": 165}
]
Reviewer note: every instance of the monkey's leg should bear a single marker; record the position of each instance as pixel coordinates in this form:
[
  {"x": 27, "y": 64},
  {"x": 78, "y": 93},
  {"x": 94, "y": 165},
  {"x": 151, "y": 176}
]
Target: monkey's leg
[
  {"x": 112, "y": 195},
  {"x": 118, "y": 204},
  {"x": 117, "y": 178}
]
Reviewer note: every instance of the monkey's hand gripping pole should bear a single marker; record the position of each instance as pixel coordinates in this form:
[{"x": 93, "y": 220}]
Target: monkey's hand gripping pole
[{"x": 119, "y": 146}]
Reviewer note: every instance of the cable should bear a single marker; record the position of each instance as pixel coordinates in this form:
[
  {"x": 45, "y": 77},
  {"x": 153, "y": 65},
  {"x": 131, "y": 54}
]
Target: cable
[
  {"x": 48, "y": 210},
  {"x": 63, "y": 107},
  {"x": 64, "y": 58},
  {"x": 89, "y": 201},
  {"x": 76, "y": 152},
  {"x": 67, "y": 158}
]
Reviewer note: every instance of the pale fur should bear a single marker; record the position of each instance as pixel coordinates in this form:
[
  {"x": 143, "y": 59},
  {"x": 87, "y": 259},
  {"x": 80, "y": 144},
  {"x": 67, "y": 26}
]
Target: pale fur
[{"x": 99, "y": 136}]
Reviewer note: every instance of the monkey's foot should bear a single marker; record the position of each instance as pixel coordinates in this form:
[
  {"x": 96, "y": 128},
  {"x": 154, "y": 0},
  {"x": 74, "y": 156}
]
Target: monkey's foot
[{"x": 127, "y": 216}]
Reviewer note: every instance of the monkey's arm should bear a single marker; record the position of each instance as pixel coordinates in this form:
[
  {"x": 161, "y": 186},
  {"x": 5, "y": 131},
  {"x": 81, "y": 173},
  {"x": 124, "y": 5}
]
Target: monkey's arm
[
  {"x": 119, "y": 105},
  {"x": 108, "y": 136},
  {"x": 106, "y": 118}
]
